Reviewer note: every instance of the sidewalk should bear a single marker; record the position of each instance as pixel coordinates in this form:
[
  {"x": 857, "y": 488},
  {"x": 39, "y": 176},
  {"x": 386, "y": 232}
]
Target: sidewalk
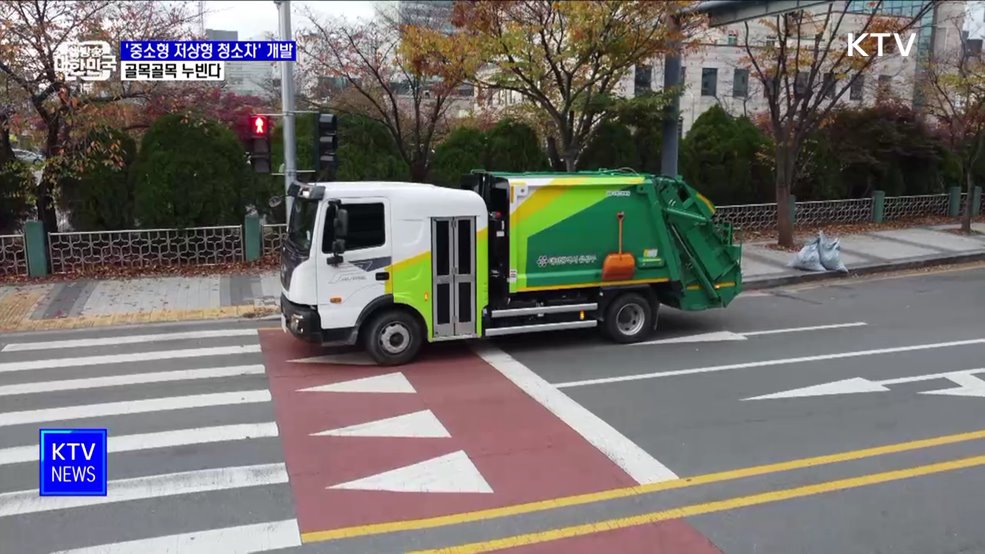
[{"x": 75, "y": 304}]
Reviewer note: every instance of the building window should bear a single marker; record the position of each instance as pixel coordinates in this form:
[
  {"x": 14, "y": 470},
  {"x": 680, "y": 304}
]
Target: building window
[
  {"x": 855, "y": 93},
  {"x": 800, "y": 84},
  {"x": 884, "y": 86},
  {"x": 709, "y": 81},
  {"x": 683, "y": 75},
  {"x": 733, "y": 38},
  {"x": 740, "y": 83},
  {"x": 828, "y": 85},
  {"x": 643, "y": 82}
]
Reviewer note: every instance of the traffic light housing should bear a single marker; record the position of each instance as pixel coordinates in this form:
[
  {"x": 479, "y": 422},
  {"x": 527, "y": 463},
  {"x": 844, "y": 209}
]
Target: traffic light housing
[
  {"x": 259, "y": 126},
  {"x": 326, "y": 144}
]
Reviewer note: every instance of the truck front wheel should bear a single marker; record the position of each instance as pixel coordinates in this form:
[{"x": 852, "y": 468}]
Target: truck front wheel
[
  {"x": 392, "y": 337},
  {"x": 629, "y": 318}
]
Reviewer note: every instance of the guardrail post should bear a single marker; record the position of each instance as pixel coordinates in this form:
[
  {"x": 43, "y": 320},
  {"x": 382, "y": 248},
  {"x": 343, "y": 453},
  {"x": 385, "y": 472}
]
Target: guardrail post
[
  {"x": 976, "y": 202},
  {"x": 878, "y": 206},
  {"x": 34, "y": 244},
  {"x": 793, "y": 209},
  {"x": 954, "y": 201},
  {"x": 252, "y": 238}
]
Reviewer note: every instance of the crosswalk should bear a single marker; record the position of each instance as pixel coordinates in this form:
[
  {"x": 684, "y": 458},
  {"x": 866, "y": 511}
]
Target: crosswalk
[{"x": 195, "y": 459}]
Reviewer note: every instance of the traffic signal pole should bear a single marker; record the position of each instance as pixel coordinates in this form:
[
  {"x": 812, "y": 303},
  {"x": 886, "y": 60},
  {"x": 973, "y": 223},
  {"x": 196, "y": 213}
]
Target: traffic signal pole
[{"x": 287, "y": 103}]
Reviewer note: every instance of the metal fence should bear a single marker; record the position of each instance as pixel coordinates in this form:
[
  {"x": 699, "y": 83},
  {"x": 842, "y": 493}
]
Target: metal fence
[
  {"x": 273, "y": 238},
  {"x": 13, "y": 255},
  {"x": 78, "y": 251},
  {"x": 763, "y": 216}
]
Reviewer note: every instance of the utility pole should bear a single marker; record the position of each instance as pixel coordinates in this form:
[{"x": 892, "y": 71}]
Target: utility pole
[
  {"x": 671, "y": 129},
  {"x": 287, "y": 102}
]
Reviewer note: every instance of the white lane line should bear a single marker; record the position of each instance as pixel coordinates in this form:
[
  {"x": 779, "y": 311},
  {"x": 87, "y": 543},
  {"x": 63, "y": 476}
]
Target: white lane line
[
  {"x": 162, "y": 439},
  {"x": 451, "y": 473},
  {"x": 241, "y": 539},
  {"x": 422, "y": 424},
  {"x": 133, "y": 407},
  {"x": 635, "y": 461},
  {"x": 153, "y": 486},
  {"x": 803, "y": 329},
  {"x": 127, "y": 339},
  {"x": 783, "y": 361},
  {"x": 132, "y": 379},
  {"x": 124, "y": 358}
]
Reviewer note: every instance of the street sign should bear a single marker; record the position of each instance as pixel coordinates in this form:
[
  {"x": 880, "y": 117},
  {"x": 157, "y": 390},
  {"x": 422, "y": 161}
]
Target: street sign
[{"x": 967, "y": 385}]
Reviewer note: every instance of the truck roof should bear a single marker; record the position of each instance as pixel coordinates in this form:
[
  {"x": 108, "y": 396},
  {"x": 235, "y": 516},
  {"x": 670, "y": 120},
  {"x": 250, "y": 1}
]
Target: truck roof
[
  {"x": 576, "y": 178},
  {"x": 421, "y": 198}
]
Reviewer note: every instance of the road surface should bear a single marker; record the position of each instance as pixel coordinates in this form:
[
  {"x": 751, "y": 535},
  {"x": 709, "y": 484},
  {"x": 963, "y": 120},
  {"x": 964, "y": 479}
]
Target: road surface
[{"x": 845, "y": 417}]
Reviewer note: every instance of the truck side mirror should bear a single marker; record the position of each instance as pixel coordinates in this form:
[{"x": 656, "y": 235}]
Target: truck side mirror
[
  {"x": 341, "y": 224},
  {"x": 338, "y": 248}
]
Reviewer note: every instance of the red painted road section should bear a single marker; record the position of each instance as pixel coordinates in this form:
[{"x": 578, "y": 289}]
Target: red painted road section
[
  {"x": 666, "y": 537},
  {"x": 523, "y": 451}
]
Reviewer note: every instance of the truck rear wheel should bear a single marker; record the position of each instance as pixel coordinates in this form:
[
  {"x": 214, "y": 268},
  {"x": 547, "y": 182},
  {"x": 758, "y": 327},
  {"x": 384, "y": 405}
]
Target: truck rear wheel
[
  {"x": 629, "y": 318},
  {"x": 393, "y": 338}
]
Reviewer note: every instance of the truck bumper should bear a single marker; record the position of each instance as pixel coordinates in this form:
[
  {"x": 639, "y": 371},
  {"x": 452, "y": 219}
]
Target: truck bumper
[{"x": 304, "y": 323}]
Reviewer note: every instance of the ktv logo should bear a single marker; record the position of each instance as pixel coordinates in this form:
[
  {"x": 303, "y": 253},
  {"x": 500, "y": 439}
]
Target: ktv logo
[{"x": 855, "y": 44}]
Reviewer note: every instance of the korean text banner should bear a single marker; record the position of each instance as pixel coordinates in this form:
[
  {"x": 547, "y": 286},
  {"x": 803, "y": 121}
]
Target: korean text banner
[{"x": 208, "y": 50}]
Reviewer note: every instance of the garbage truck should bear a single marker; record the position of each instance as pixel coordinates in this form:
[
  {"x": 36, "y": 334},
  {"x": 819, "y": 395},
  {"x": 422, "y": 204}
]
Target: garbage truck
[{"x": 392, "y": 265}]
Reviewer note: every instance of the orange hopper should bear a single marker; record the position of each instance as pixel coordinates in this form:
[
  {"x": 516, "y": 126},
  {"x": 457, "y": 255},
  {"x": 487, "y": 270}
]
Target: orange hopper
[{"x": 619, "y": 267}]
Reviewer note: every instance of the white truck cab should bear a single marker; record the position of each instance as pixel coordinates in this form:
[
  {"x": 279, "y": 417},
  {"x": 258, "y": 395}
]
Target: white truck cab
[{"x": 386, "y": 264}]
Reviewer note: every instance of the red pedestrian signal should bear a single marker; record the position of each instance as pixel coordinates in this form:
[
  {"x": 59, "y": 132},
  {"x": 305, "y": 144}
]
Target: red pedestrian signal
[{"x": 259, "y": 126}]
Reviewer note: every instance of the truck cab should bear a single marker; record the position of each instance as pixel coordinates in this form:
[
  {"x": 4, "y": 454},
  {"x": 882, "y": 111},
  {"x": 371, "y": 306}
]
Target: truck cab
[{"x": 386, "y": 264}]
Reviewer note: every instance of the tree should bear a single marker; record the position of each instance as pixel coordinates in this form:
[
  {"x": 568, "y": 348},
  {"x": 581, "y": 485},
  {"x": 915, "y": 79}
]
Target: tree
[
  {"x": 407, "y": 89},
  {"x": 956, "y": 100},
  {"x": 33, "y": 31},
  {"x": 97, "y": 192},
  {"x": 805, "y": 70},
  {"x": 567, "y": 58},
  {"x": 461, "y": 152},
  {"x": 367, "y": 151},
  {"x": 722, "y": 157},
  {"x": 191, "y": 172},
  {"x": 15, "y": 187}
]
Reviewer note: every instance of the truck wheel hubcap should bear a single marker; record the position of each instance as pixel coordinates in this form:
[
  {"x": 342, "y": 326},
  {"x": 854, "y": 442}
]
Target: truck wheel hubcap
[
  {"x": 630, "y": 319},
  {"x": 395, "y": 338}
]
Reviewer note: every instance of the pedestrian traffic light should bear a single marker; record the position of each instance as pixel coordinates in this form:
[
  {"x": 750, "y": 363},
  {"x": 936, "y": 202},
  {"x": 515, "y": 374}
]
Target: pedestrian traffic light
[
  {"x": 326, "y": 144},
  {"x": 259, "y": 143}
]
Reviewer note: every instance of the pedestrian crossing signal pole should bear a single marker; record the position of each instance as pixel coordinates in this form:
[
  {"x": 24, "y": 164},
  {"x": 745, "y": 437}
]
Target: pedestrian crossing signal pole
[
  {"x": 326, "y": 145},
  {"x": 287, "y": 103}
]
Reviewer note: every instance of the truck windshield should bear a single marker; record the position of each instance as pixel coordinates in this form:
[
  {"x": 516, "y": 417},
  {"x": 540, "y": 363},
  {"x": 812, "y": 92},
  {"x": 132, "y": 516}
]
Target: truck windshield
[{"x": 302, "y": 225}]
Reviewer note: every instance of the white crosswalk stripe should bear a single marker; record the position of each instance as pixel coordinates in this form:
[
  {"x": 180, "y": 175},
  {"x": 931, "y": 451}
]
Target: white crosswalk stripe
[{"x": 193, "y": 420}]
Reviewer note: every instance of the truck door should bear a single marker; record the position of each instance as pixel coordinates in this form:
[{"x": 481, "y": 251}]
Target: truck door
[
  {"x": 453, "y": 276},
  {"x": 345, "y": 289}
]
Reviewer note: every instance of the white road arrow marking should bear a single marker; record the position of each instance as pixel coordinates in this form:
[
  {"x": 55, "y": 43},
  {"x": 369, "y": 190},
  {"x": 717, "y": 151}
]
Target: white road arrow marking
[
  {"x": 846, "y": 386},
  {"x": 716, "y": 336},
  {"x": 390, "y": 383},
  {"x": 453, "y": 472},
  {"x": 720, "y": 336},
  {"x": 422, "y": 424},
  {"x": 969, "y": 385}
]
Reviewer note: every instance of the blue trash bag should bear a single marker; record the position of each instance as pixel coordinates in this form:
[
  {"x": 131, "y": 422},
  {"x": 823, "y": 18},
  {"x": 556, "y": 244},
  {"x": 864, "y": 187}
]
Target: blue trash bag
[
  {"x": 809, "y": 257},
  {"x": 829, "y": 253}
]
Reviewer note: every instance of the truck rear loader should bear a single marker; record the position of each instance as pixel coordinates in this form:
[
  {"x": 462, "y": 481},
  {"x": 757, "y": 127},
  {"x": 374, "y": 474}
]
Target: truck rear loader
[{"x": 394, "y": 265}]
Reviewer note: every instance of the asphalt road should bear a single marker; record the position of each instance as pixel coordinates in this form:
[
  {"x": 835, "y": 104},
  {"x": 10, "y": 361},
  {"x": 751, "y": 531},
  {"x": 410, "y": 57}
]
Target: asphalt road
[{"x": 229, "y": 460}]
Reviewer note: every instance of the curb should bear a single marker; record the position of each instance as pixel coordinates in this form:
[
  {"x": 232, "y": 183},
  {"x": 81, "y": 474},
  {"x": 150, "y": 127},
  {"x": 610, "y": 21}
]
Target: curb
[{"x": 864, "y": 269}]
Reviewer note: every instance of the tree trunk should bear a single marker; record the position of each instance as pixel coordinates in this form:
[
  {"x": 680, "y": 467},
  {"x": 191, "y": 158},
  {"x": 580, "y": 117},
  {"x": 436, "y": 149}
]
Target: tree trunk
[
  {"x": 970, "y": 184},
  {"x": 784, "y": 178},
  {"x": 570, "y": 163},
  {"x": 45, "y": 197},
  {"x": 418, "y": 171},
  {"x": 552, "y": 153}
]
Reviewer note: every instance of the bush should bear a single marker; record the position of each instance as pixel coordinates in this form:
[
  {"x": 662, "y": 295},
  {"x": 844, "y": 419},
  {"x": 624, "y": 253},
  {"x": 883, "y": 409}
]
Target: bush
[
  {"x": 367, "y": 152},
  {"x": 463, "y": 151},
  {"x": 16, "y": 182},
  {"x": 96, "y": 191},
  {"x": 514, "y": 146},
  {"x": 191, "y": 172},
  {"x": 722, "y": 157},
  {"x": 612, "y": 147}
]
